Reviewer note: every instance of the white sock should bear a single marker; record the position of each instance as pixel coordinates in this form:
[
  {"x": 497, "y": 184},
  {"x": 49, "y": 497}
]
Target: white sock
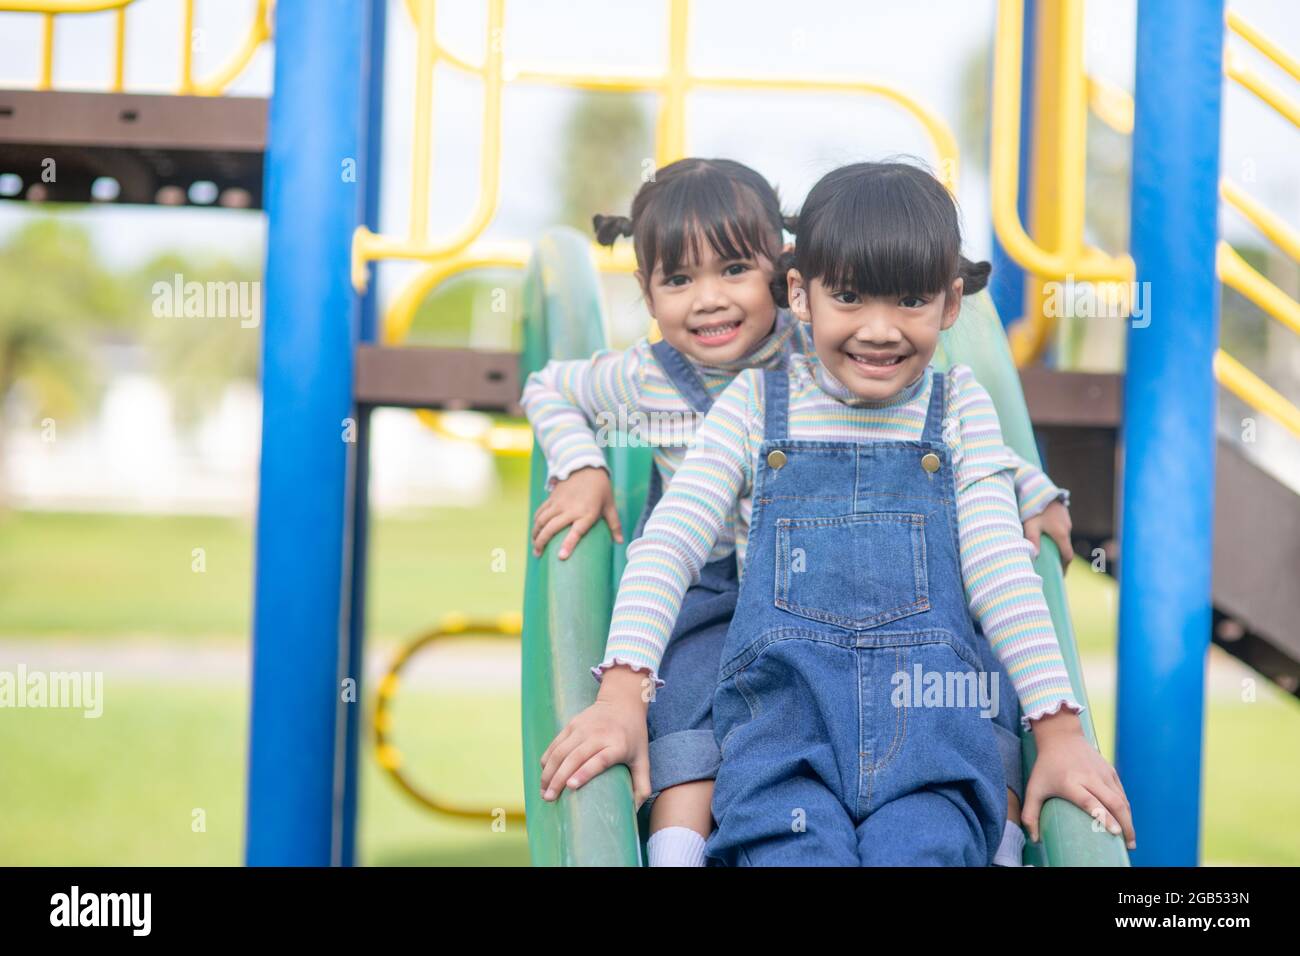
[
  {"x": 676, "y": 846},
  {"x": 1011, "y": 849}
]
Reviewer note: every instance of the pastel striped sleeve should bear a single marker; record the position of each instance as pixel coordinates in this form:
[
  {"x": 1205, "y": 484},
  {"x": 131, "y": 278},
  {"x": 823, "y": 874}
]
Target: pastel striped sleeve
[
  {"x": 1004, "y": 592},
  {"x": 1034, "y": 490},
  {"x": 683, "y": 528},
  {"x": 566, "y": 401}
]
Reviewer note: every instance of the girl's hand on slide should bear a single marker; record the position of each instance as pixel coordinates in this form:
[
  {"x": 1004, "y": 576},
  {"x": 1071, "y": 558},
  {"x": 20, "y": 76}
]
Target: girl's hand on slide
[
  {"x": 1070, "y": 767},
  {"x": 611, "y": 731},
  {"x": 1055, "y": 520},
  {"x": 579, "y": 501}
]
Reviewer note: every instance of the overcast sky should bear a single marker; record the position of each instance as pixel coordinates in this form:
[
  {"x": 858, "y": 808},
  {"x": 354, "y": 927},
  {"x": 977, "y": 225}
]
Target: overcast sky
[{"x": 920, "y": 45}]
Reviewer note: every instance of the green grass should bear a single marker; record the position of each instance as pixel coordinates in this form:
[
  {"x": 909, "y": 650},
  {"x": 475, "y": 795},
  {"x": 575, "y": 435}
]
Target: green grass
[
  {"x": 123, "y": 788},
  {"x": 94, "y": 576}
]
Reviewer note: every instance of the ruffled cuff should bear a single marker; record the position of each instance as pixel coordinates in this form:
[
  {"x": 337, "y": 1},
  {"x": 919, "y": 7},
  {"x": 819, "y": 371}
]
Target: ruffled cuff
[
  {"x": 598, "y": 671},
  {"x": 1047, "y": 710},
  {"x": 1033, "y": 511}
]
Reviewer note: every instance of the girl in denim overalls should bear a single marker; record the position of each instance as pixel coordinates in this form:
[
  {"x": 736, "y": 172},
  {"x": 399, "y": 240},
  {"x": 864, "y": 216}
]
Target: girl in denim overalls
[
  {"x": 683, "y": 744},
  {"x": 855, "y": 579}
]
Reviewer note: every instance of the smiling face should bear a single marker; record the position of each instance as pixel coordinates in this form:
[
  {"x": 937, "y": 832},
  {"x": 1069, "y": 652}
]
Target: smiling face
[
  {"x": 875, "y": 345},
  {"x": 713, "y": 309}
]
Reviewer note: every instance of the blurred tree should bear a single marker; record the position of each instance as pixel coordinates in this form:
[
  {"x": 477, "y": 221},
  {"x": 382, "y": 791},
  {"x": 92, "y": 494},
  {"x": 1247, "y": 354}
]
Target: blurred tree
[
  {"x": 608, "y": 147},
  {"x": 55, "y": 297},
  {"x": 196, "y": 356}
]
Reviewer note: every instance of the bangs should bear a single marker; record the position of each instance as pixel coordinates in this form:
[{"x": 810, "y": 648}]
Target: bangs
[
  {"x": 725, "y": 214},
  {"x": 879, "y": 230}
]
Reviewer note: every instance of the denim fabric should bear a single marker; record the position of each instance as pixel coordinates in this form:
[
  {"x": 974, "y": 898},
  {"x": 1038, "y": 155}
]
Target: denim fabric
[
  {"x": 852, "y": 590},
  {"x": 683, "y": 746},
  {"x": 1006, "y": 725}
]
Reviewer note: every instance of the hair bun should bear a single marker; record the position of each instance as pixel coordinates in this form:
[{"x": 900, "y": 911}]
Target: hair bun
[
  {"x": 780, "y": 286},
  {"x": 791, "y": 224},
  {"x": 609, "y": 228},
  {"x": 974, "y": 275}
]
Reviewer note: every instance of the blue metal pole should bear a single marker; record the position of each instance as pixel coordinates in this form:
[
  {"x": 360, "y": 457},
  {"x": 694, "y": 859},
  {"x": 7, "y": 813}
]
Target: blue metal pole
[
  {"x": 371, "y": 178},
  {"x": 1169, "y": 426},
  {"x": 1007, "y": 280},
  {"x": 309, "y": 334}
]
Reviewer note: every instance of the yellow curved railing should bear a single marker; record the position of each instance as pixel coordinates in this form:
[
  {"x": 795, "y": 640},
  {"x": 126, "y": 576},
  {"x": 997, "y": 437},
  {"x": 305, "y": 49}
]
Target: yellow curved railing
[
  {"x": 1114, "y": 107},
  {"x": 1064, "y": 146},
  {"x": 508, "y": 626},
  {"x": 464, "y": 251},
  {"x": 258, "y": 33},
  {"x": 672, "y": 87},
  {"x": 1233, "y": 270}
]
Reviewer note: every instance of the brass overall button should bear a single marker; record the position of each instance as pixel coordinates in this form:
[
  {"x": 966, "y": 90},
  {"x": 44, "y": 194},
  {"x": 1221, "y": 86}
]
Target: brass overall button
[
  {"x": 930, "y": 462},
  {"x": 775, "y": 458}
]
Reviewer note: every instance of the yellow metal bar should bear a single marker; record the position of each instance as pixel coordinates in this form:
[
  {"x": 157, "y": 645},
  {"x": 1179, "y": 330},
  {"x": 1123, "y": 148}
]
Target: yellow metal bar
[
  {"x": 257, "y": 34},
  {"x": 1255, "y": 392},
  {"x": 368, "y": 246},
  {"x": 670, "y": 140},
  {"x": 422, "y": 148},
  {"x": 400, "y": 316},
  {"x": 401, "y": 313},
  {"x": 1280, "y": 232},
  {"x": 187, "y": 50},
  {"x": 671, "y": 143},
  {"x": 47, "y": 53},
  {"x": 1252, "y": 81},
  {"x": 119, "y": 51},
  {"x": 1048, "y": 185},
  {"x": 1071, "y": 121},
  {"x": 1113, "y": 105},
  {"x": 1091, "y": 264},
  {"x": 389, "y": 755},
  {"x": 1240, "y": 275},
  {"x": 487, "y": 255},
  {"x": 1263, "y": 44},
  {"x": 62, "y": 6}
]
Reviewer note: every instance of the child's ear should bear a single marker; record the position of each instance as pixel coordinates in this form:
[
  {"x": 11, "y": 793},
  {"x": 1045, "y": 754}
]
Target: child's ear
[
  {"x": 798, "y": 296},
  {"x": 952, "y": 303}
]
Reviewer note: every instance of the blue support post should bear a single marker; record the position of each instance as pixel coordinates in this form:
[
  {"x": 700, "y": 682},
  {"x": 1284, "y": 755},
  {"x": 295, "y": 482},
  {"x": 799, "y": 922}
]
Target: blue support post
[
  {"x": 1169, "y": 427},
  {"x": 371, "y": 177},
  {"x": 303, "y": 519},
  {"x": 1007, "y": 280}
]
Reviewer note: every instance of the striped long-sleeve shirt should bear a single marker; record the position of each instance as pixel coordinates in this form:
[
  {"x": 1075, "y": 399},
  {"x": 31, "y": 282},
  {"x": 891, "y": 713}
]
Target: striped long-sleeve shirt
[
  {"x": 713, "y": 487},
  {"x": 567, "y": 402}
]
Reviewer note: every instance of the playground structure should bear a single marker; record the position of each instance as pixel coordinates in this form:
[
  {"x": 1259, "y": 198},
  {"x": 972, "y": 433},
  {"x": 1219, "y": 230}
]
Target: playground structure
[{"x": 328, "y": 359}]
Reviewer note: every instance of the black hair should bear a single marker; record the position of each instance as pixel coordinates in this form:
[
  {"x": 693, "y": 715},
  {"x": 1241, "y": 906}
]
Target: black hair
[
  {"x": 733, "y": 207},
  {"x": 882, "y": 229}
]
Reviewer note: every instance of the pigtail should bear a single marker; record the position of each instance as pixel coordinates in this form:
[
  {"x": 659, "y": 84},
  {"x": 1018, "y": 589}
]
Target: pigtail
[
  {"x": 609, "y": 228},
  {"x": 780, "y": 285},
  {"x": 974, "y": 275},
  {"x": 791, "y": 224}
]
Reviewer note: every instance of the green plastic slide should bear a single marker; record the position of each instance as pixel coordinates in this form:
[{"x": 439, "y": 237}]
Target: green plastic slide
[{"x": 567, "y": 604}]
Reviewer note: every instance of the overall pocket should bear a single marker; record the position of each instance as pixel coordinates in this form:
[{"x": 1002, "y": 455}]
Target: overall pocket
[{"x": 854, "y": 571}]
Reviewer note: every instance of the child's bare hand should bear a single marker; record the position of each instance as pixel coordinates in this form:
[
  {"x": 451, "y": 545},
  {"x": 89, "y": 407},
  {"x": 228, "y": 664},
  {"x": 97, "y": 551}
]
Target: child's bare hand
[
  {"x": 1070, "y": 767},
  {"x": 579, "y": 501},
  {"x": 1055, "y": 520},
  {"x": 609, "y": 732}
]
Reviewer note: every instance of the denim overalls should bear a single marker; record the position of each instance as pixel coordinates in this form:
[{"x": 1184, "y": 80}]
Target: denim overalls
[
  {"x": 853, "y": 577},
  {"x": 680, "y": 718}
]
